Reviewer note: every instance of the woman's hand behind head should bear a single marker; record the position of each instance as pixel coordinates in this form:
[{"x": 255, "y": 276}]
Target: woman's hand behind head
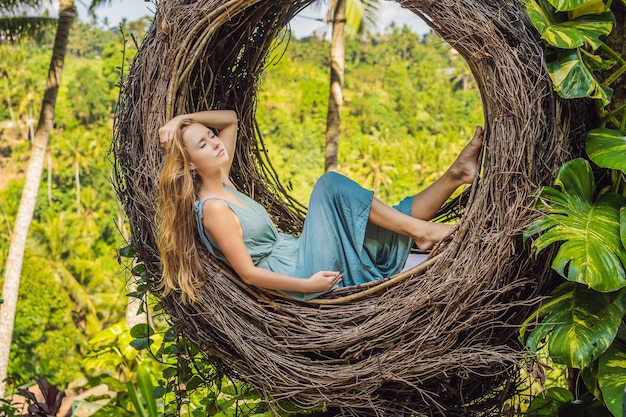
[{"x": 166, "y": 132}]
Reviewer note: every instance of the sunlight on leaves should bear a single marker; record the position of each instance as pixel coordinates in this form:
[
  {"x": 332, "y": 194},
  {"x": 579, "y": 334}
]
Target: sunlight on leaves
[
  {"x": 549, "y": 404},
  {"x": 596, "y": 62},
  {"x": 584, "y": 26},
  {"x": 578, "y": 324},
  {"x": 572, "y": 78},
  {"x": 607, "y": 148},
  {"x": 564, "y": 5},
  {"x": 612, "y": 377},
  {"x": 591, "y": 251}
]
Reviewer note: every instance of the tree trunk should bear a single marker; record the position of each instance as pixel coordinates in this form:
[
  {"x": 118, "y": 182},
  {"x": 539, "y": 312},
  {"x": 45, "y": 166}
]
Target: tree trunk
[
  {"x": 67, "y": 13},
  {"x": 49, "y": 179},
  {"x": 337, "y": 57}
]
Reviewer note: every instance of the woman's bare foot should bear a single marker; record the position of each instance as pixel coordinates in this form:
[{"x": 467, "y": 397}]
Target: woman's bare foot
[
  {"x": 465, "y": 166},
  {"x": 432, "y": 233}
]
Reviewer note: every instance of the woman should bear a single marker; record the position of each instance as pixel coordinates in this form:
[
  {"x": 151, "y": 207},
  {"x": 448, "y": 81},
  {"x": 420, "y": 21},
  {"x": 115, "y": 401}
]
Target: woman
[{"x": 349, "y": 236}]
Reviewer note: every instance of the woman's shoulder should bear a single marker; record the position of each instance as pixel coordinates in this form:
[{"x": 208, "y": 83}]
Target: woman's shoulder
[
  {"x": 209, "y": 205},
  {"x": 218, "y": 209},
  {"x": 213, "y": 205}
]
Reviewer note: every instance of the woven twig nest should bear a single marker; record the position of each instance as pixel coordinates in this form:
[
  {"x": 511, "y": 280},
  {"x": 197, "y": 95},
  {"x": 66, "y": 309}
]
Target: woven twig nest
[{"x": 442, "y": 341}]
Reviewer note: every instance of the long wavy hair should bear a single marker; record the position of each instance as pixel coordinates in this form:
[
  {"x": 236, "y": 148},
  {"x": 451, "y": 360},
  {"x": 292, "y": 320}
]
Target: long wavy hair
[{"x": 176, "y": 225}]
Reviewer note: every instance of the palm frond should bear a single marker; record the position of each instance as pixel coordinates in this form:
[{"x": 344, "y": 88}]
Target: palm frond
[
  {"x": 13, "y": 29},
  {"x": 16, "y": 7}
]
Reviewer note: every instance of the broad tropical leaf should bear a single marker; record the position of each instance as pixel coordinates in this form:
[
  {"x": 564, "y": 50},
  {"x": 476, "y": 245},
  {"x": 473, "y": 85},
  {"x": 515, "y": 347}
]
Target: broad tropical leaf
[
  {"x": 361, "y": 14},
  {"x": 565, "y": 5},
  {"x": 110, "y": 348},
  {"x": 549, "y": 405},
  {"x": 589, "y": 376},
  {"x": 596, "y": 62},
  {"x": 589, "y": 7},
  {"x": 612, "y": 377},
  {"x": 591, "y": 252},
  {"x": 607, "y": 148},
  {"x": 146, "y": 387},
  {"x": 572, "y": 78},
  {"x": 585, "y": 25},
  {"x": 578, "y": 324}
]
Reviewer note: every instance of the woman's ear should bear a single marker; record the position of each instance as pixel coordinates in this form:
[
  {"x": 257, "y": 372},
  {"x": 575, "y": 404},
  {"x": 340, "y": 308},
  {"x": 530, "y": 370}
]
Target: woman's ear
[{"x": 192, "y": 167}]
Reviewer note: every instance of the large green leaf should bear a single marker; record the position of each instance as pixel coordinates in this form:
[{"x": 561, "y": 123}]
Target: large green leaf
[
  {"x": 564, "y": 5},
  {"x": 607, "y": 148},
  {"x": 572, "y": 78},
  {"x": 612, "y": 377},
  {"x": 583, "y": 26},
  {"x": 596, "y": 62},
  {"x": 140, "y": 410},
  {"x": 578, "y": 324},
  {"x": 144, "y": 382},
  {"x": 589, "y": 376},
  {"x": 591, "y": 251},
  {"x": 557, "y": 401},
  {"x": 590, "y": 7},
  {"x": 550, "y": 403}
]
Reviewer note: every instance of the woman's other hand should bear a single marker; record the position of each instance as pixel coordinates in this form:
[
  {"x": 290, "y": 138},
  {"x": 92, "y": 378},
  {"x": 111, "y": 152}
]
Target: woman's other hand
[{"x": 324, "y": 280}]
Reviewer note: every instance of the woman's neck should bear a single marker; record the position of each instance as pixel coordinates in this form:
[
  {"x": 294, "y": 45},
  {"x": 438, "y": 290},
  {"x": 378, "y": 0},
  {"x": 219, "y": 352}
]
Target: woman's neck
[{"x": 212, "y": 186}]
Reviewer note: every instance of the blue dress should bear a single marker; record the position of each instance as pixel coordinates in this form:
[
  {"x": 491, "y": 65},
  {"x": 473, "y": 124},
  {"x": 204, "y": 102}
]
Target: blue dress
[{"x": 336, "y": 236}]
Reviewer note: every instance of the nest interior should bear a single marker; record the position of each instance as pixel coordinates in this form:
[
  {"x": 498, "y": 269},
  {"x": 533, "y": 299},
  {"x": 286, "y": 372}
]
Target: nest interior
[{"x": 441, "y": 341}]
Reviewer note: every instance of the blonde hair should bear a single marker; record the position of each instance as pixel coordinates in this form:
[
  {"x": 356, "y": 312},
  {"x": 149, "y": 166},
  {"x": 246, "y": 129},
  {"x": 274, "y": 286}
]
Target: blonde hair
[{"x": 176, "y": 224}]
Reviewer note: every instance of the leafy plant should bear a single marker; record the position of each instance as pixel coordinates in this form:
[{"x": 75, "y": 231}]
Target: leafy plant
[
  {"x": 8, "y": 408},
  {"x": 592, "y": 252},
  {"x": 572, "y": 31},
  {"x": 145, "y": 404},
  {"x": 52, "y": 399},
  {"x": 581, "y": 325},
  {"x": 607, "y": 147}
]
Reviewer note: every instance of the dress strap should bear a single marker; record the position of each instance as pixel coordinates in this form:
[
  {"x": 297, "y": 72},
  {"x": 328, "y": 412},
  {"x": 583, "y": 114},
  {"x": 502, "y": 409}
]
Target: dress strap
[{"x": 206, "y": 239}]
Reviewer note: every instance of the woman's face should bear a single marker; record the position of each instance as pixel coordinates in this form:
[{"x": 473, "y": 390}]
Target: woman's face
[{"x": 206, "y": 150}]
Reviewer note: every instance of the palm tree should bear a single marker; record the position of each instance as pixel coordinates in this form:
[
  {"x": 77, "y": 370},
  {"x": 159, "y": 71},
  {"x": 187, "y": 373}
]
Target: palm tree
[
  {"x": 357, "y": 14},
  {"x": 67, "y": 13}
]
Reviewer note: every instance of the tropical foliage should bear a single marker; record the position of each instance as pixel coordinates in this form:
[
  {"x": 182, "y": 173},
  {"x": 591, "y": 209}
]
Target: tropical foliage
[{"x": 582, "y": 325}]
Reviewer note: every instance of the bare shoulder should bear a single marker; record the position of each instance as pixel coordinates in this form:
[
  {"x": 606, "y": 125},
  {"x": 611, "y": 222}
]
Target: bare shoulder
[
  {"x": 218, "y": 217},
  {"x": 214, "y": 206}
]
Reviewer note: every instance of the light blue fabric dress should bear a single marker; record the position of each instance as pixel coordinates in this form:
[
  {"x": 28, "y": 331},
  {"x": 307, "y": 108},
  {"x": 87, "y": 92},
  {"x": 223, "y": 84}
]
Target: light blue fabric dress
[{"x": 336, "y": 236}]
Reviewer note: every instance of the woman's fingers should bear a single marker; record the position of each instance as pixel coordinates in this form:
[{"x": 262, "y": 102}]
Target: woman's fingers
[
  {"x": 327, "y": 279},
  {"x": 166, "y": 132},
  {"x": 164, "y": 137},
  {"x": 336, "y": 277}
]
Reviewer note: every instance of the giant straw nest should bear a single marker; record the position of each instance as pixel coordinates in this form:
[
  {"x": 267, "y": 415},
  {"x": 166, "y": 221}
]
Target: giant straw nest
[{"x": 440, "y": 340}]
